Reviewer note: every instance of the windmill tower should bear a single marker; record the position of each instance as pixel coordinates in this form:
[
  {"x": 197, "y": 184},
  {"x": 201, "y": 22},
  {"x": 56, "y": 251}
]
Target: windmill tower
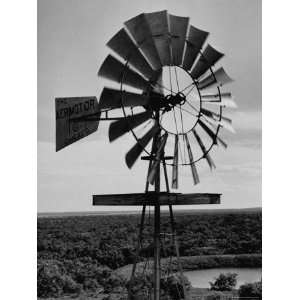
[{"x": 169, "y": 96}]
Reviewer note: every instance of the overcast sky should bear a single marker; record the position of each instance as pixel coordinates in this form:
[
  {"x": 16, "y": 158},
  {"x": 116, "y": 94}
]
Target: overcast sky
[{"x": 71, "y": 47}]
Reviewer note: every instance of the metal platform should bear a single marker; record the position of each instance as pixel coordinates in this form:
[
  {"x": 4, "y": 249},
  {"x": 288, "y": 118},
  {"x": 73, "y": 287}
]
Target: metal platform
[{"x": 153, "y": 198}]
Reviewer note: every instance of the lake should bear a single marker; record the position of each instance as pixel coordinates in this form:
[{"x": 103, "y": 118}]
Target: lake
[{"x": 201, "y": 278}]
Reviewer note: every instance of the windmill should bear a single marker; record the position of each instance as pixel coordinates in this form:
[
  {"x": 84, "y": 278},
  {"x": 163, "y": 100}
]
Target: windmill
[{"x": 166, "y": 92}]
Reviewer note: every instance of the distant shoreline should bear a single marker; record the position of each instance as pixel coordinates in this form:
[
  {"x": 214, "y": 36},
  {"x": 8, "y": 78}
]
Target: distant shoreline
[
  {"x": 136, "y": 212},
  {"x": 202, "y": 262}
]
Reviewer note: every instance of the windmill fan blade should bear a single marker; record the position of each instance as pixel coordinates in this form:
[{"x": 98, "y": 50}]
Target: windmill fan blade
[
  {"x": 226, "y": 99},
  {"x": 221, "y": 123},
  {"x": 219, "y": 78},
  {"x": 120, "y": 127},
  {"x": 178, "y": 31},
  {"x": 157, "y": 82},
  {"x": 205, "y": 153},
  {"x": 139, "y": 29},
  {"x": 207, "y": 59},
  {"x": 193, "y": 166},
  {"x": 123, "y": 45},
  {"x": 214, "y": 115},
  {"x": 175, "y": 165},
  {"x": 133, "y": 154},
  {"x": 208, "y": 130},
  {"x": 214, "y": 99},
  {"x": 212, "y": 135},
  {"x": 221, "y": 142},
  {"x": 111, "y": 98},
  {"x": 156, "y": 164},
  {"x": 158, "y": 24},
  {"x": 194, "y": 43},
  {"x": 114, "y": 70},
  {"x": 229, "y": 103}
]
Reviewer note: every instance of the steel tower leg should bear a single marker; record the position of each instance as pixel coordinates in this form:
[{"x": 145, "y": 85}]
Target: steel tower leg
[
  {"x": 157, "y": 227},
  {"x": 140, "y": 237},
  {"x": 174, "y": 237},
  {"x": 157, "y": 247}
]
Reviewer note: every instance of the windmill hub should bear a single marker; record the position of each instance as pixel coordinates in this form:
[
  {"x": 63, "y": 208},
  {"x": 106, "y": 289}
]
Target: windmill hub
[{"x": 177, "y": 99}]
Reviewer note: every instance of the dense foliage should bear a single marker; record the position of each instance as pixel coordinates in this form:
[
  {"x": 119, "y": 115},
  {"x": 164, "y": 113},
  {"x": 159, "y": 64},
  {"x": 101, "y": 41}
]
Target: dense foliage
[
  {"x": 56, "y": 278},
  {"x": 79, "y": 253},
  {"x": 224, "y": 282},
  {"x": 110, "y": 240},
  {"x": 251, "y": 290},
  {"x": 171, "y": 287}
]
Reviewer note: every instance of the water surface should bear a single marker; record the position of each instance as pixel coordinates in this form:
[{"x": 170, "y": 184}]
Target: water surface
[{"x": 201, "y": 278}]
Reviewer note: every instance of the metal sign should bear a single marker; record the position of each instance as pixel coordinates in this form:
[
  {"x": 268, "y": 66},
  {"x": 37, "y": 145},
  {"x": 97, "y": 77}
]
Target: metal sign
[{"x": 74, "y": 119}]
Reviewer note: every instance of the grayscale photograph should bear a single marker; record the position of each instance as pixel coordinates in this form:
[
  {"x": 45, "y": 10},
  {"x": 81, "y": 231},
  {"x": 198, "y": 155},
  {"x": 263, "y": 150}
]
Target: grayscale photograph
[{"x": 149, "y": 169}]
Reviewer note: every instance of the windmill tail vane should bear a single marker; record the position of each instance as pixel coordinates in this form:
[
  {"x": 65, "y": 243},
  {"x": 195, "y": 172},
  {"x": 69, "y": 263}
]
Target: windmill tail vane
[{"x": 170, "y": 98}]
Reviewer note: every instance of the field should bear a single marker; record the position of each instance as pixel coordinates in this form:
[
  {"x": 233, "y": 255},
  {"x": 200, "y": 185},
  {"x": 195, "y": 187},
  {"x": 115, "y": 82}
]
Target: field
[{"x": 91, "y": 255}]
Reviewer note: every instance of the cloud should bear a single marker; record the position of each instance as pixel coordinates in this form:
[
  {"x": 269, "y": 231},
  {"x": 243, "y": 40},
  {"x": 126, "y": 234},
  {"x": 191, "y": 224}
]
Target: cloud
[
  {"x": 246, "y": 120},
  {"x": 67, "y": 179}
]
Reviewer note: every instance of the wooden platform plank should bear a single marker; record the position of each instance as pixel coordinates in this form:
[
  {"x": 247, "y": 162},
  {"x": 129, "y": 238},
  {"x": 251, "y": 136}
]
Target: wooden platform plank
[{"x": 150, "y": 198}]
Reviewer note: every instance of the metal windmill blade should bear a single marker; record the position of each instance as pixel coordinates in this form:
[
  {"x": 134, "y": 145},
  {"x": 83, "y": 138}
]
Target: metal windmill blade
[
  {"x": 217, "y": 120},
  {"x": 214, "y": 115},
  {"x": 219, "y": 78},
  {"x": 220, "y": 99},
  {"x": 139, "y": 29},
  {"x": 215, "y": 138},
  {"x": 112, "y": 99},
  {"x": 156, "y": 82},
  {"x": 158, "y": 24},
  {"x": 178, "y": 31},
  {"x": 192, "y": 164},
  {"x": 227, "y": 100},
  {"x": 204, "y": 150},
  {"x": 207, "y": 59},
  {"x": 122, "y": 126},
  {"x": 133, "y": 154},
  {"x": 175, "y": 165},
  {"x": 114, "y": 70},
  {"x": 158, "y": 156},
  {"x": 194, "y": 43},
  {"x": 123, "y": 45}
]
